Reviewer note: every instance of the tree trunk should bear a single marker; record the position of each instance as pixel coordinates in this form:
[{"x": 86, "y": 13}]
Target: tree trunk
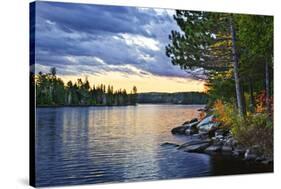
[
  {"x": 267, "y": 87},
  {"x": 252, "y": 99},
  {"x": 239, "y": 95}
]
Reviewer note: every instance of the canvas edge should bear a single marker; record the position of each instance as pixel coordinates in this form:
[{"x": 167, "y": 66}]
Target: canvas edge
[{"x": 32, "y": 173}]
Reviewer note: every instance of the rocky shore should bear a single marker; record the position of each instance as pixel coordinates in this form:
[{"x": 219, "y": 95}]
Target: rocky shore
[{"x": 208, "y": 136}]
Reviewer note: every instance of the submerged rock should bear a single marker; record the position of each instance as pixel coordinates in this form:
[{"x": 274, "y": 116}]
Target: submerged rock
[
  {"x": 195, "y": 145},
  {"x": 194, "y": 142},
  {"x": 169, "y": 144}
]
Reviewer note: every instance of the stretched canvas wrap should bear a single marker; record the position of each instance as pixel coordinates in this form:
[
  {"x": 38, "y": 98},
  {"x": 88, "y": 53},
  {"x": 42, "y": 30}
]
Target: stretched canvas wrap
[{"x": 124, "y": 94}]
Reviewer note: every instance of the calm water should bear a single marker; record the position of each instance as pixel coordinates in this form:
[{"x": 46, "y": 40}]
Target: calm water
[{"x": 81, "y": 145}]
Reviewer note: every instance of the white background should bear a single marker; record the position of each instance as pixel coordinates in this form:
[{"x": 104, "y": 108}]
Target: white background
[{"x": 14, "y": 94}]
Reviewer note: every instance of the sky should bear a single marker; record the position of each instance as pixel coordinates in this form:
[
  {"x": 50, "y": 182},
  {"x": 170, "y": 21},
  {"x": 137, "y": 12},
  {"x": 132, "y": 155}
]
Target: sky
[{"x": 116, "y": 45}]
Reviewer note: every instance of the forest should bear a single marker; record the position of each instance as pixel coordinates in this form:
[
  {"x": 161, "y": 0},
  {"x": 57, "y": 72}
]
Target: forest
[
  {"x": 51, "y": 91},
  {"x": 173, "y": 98},
  {"x": 235, "y": 52}
]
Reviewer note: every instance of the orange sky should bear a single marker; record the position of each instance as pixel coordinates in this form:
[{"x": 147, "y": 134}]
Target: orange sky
[{"x": 146, "y": 83}]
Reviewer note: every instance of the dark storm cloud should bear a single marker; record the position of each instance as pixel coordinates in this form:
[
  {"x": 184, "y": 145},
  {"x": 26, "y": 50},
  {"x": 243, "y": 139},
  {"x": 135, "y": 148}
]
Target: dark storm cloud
[{"x": 82, "y": 38}]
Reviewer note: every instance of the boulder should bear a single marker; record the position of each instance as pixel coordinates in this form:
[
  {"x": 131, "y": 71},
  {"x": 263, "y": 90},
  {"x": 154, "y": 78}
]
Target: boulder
[
  {"x": 178, "y": 130},
  {"x": 191, "y": 121},
  {"x": 267, "y": 161},
  {"x": 226, "y": 149},
  {"x": 191, "y": 128},
  {"x": 250, "y": 155},
  {"x": 231, "y": 142},
  {"x": 206, "y": 120},
  {"x": 260, "y": 159},
  {"x": 209, "y": 128},
  {"x": 203, "y": 135},
  {"x": 213, "y": 149},
  {"x": 221, "y": 132},
  {"x": 196, "y": 147},
  {"x": 238, "y": 152}
]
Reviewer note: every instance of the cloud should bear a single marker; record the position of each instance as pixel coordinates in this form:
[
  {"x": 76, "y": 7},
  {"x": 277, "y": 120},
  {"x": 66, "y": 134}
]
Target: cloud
[{"x": 93, "y": 39}]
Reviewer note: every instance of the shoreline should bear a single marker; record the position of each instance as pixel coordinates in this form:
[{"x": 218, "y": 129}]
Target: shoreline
[
  {"x": 208, "y": 137},
  {"x": 61, "y": 106}
]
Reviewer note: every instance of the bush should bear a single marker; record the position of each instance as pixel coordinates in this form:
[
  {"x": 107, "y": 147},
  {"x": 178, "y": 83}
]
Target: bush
[{"x": 255, "y": 129}]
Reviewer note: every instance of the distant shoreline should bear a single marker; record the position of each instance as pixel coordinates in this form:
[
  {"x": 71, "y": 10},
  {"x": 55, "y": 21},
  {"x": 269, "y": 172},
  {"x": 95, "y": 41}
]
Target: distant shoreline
[{"x": 61, "y": 106}]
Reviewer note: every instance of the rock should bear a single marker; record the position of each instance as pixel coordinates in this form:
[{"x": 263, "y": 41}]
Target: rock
[
  {"x": 196, "y": 147},
  {"x": 178, "y": 130},
  {"x": 267, "y": 161},
  {"x": 231, "y": 142},
  {"x": 206, "y": 121},
  {"x": 221, "y": 132},
  {"x": 205, "y": 109},
  {"x": 210, "y": 128},
  {"x": 238, "y": 152},
  {"x": 250, "y": 155},
  {"x": 213, "y": 148},
  {"x": 191, "y": 128},
  {"x": 260, "y": 159},
  {"x": 191, "y": 121},
  {"x": 194, "y": 142},
  {"x": 226, "y": 149},
  {"x": 219, "y": 137},
  {"x": 169, "y": 144},
  {"x": 203, "y": 135}
]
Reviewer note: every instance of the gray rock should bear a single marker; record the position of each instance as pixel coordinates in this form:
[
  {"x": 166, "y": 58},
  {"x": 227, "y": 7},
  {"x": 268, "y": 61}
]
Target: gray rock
[
  {"x": 260, "y": 159},
  {"x": 267, "y": 161},
  {"x": 194, "y": 142},
  {"x": 219, "y": 137},
  {"x": 231, "y": 142},
  {"x": 250, "y": 155},
  {"x": 209, "y": 128},
  {"x": 169, "y": 144},
  {"x": 220, "y": 132},
  {"x": 206, "y": 120},
  {"x": 178, "y": 130},
  {"x": 213, "y": 148},
  {"x": 196, "y": 147},
  {"x": 191, "y": 121},
  {"x": 191, "y": 128},
  {"x": 226, "y": 149},
  {"x": 238, "y": 152}
]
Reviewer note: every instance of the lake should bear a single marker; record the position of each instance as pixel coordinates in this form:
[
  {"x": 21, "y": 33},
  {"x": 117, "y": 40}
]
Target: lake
[{"x": 85, "y": 145}]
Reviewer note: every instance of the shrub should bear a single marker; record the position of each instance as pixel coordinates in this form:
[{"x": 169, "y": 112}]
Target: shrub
[{"x": 255, "y": 129}]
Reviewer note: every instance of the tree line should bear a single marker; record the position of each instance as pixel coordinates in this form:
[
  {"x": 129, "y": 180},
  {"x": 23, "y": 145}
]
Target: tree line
[
  {"x": 51, "y": 90},
  {"x": 173, "y": 98}
]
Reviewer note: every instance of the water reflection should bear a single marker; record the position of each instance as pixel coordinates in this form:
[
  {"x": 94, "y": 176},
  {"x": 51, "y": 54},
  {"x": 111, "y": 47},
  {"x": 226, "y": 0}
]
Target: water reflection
[{"x": 79, "y": 145}]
